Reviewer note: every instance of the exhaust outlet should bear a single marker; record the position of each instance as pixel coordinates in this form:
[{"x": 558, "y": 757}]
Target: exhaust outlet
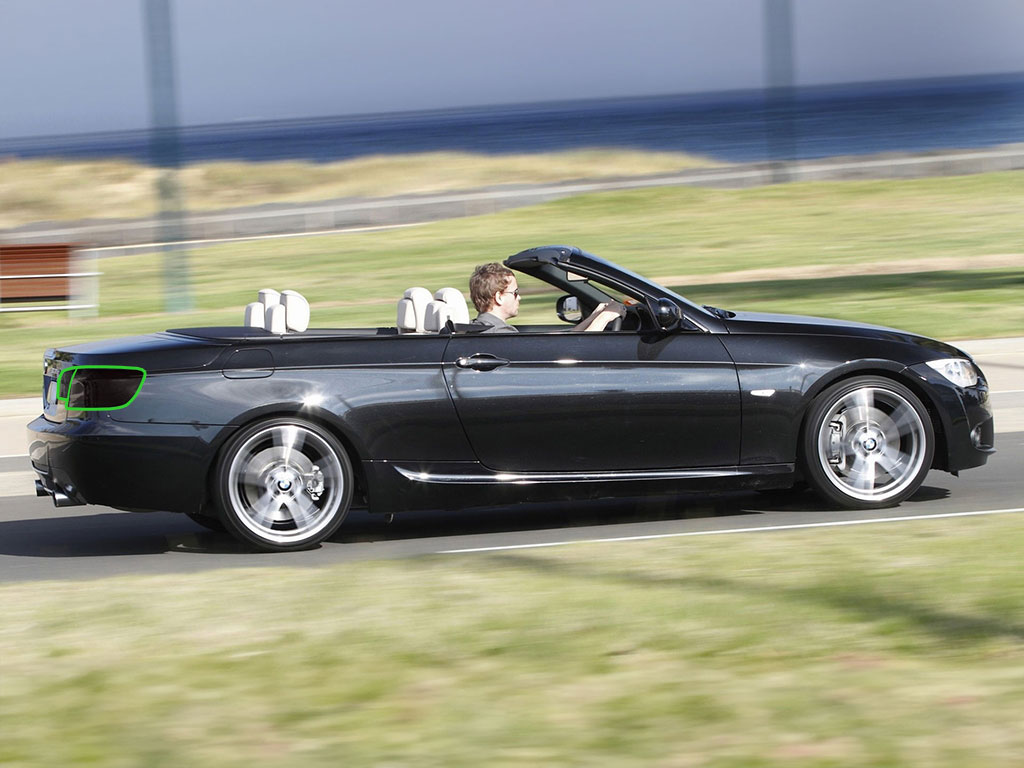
[{"x": 61, "y": 499}]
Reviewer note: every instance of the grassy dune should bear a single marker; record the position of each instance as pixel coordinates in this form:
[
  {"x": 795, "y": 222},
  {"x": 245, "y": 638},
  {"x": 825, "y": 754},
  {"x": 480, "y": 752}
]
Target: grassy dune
[
  {"x": 882, "y": 645},
  {"x": 61, "y": 189}
]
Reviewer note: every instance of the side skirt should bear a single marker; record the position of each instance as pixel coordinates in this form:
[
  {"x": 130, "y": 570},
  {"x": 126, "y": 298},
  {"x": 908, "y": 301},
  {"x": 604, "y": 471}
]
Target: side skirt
[
  {"x": 477, "y": 474},
  {"x": 403, "y": 486}
]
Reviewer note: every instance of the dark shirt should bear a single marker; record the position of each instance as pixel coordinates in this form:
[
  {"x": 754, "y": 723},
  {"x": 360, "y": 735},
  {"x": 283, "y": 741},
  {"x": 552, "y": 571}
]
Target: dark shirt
[{"x": 495, "y": 324}]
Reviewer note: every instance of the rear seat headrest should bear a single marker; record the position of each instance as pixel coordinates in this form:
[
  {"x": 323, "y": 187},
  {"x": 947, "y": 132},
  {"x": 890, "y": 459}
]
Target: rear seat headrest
[
  {"x": 412, "y": 310},
  {"x": 255, "y": 315},
  {"x": 296, "y": 311},
  {"x": 268, "y": 297},
  {"x": 458, "y": 310},
  {"x": 276, "y": 319},
  {"x": 278, "y": 312},
  {"x": 438, "y": 314}
]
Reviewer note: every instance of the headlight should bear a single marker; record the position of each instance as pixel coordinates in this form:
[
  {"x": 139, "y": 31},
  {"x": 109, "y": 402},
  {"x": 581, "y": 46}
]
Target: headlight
[{"x": 959, "y": 371}]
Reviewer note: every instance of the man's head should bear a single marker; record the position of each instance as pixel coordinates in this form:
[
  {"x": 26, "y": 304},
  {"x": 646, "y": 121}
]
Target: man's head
[{"x": 494, "y": 289}]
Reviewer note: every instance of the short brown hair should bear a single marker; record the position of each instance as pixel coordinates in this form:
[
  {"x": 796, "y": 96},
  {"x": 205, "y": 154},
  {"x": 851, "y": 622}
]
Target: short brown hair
[{"x": 487, "y": 280}]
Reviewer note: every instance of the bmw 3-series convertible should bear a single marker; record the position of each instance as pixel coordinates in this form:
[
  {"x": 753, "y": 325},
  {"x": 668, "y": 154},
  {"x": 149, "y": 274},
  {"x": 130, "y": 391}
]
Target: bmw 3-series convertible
[{"x": 273, "y": 430}]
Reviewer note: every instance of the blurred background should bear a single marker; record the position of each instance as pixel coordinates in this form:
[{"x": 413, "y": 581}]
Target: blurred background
[
  {"x": 162, "y": 160},
  {"x": 180, "y": 145}
]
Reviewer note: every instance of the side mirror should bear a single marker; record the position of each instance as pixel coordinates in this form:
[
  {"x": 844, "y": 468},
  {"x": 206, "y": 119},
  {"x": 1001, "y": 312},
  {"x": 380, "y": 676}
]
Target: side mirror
[
  {"x": 568, "y": 309},
  {"x": 668, "y": 315}
]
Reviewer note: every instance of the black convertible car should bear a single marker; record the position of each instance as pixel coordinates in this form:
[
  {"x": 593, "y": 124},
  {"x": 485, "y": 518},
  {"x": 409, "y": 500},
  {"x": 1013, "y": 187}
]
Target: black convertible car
[{"x": 275, "y": 432}]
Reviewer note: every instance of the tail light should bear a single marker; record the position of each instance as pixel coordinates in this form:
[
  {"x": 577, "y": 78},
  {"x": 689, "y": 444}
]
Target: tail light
[{"x": 99, "y": 387}]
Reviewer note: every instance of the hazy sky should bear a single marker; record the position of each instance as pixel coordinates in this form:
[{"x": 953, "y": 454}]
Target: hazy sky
[{"x": 79, "y": 65}]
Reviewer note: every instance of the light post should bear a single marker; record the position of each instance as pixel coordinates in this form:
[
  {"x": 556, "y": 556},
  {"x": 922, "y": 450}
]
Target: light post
[
  {"x": 779, "y": 84},
  {"x": 165, "y": 151}
]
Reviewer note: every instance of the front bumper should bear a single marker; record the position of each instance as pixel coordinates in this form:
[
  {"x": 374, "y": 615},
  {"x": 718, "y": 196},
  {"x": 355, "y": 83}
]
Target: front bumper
[
  {"x": 965, "y": 413},
  {"x": 97, "y": 460}
]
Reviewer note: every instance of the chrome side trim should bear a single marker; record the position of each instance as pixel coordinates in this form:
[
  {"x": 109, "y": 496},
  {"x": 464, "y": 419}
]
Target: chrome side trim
[{"x": 487, "y": 477}]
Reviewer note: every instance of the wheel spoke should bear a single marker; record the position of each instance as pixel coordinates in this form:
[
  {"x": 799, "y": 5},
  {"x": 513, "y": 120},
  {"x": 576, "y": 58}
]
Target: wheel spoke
[
  {"x": 862, "y": 408},
  {"x": 265, "y": 510},
  {"x": 252, "y": 477},
  {"x": 302, "y": 510},
  {"x": 288, "y": 439},
  {"x": 905, "y": 421},
  {"x": 890, "y": 460},
  {"x": 862, "y": 473}
]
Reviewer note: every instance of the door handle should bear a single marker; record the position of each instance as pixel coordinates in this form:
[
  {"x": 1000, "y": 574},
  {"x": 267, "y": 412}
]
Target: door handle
[{"x": 481, "y": 361}]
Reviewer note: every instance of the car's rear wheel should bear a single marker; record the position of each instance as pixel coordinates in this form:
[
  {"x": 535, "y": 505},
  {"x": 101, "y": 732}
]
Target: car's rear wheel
[
  {"x": 283, "y": 484},
  {"x": 868, "y": 443}
]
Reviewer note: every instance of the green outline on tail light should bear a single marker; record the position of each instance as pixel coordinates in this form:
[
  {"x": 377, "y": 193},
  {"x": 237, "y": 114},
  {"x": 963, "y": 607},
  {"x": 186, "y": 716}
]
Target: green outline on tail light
[{"x": 73, "y": 369}]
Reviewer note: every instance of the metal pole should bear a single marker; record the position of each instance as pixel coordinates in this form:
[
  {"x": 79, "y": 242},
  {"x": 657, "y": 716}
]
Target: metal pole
[
  {"x": 779, "y": 86},
  {"x": 166, "y": 152}
]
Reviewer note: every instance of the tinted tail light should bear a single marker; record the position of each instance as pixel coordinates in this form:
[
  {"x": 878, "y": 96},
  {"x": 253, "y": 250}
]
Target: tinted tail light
[{"x": 100, "y": 387}]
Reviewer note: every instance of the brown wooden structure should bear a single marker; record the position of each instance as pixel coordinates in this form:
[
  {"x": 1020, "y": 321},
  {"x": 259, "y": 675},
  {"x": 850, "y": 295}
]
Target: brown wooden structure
[{"x": 33, "y": 277}]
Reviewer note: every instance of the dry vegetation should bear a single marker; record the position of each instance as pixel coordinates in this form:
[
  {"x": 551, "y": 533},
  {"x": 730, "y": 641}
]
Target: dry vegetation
[{"x": 59, "y": 189}]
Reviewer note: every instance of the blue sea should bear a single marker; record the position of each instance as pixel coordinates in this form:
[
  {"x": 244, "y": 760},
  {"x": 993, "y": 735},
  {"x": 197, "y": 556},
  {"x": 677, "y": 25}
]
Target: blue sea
[{"x": 737, "y": 126}]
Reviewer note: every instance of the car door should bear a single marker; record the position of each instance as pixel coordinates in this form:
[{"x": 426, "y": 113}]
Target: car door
[{"x": 585, "y": 402}]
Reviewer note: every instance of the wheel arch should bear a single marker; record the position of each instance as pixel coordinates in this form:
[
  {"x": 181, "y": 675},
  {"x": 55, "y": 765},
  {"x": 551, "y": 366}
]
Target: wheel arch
[
  {"x": 319, "y": 416},
  {"x": 888, "y": 370}
]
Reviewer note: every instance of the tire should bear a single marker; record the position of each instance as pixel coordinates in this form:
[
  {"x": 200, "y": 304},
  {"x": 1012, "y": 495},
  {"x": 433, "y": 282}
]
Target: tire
[
  {"x": 283, "y": 484},
  {"x": 868, "y": 443}
]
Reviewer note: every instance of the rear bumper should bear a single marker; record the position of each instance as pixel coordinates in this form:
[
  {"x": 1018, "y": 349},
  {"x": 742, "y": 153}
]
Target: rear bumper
[{"x": 129, "y": 466}]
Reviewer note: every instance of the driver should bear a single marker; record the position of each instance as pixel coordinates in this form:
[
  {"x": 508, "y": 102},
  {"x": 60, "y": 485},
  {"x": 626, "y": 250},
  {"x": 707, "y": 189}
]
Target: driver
[{"x": 495, "y": 293}]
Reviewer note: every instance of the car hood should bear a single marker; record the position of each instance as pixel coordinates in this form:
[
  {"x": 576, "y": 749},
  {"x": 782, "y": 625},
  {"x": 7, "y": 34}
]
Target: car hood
[{"x": 764, "y": 322}]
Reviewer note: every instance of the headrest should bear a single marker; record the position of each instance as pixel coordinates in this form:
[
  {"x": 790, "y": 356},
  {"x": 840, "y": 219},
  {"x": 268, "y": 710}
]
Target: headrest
[
  {"x": 255, "y": 315},
  {"x": 278, "y": 312},
  {"x": 459, "y": 311},
  {"x": 438, "y": 313},
  {"x": 412, "y": 309},
  {"x": 276, "y": 322},
  {"x": 296, "y": 311}
]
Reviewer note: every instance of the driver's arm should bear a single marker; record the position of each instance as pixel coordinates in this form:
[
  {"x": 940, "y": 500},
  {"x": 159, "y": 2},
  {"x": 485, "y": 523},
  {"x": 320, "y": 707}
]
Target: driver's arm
[{"x": 603, "y": 313}]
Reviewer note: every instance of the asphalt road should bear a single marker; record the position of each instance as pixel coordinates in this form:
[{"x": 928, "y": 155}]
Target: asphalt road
[{"x": 39, "y": 542}]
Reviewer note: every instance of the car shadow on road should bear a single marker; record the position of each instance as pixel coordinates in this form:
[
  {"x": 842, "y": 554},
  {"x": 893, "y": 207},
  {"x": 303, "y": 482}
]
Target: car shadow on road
[
  {"x": 364, "y": 526},
  {"x": 109, "y": 533}
]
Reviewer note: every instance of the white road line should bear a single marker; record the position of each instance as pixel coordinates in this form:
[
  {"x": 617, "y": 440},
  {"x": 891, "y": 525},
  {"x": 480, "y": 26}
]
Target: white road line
[
  {"x": 15, "y": 456},
  {"x": 758, "y": 529}
]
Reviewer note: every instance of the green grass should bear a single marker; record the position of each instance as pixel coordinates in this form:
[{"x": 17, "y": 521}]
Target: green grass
[
  {"x": 882, "y": 645},
  {"x": 665, "y": 233}
]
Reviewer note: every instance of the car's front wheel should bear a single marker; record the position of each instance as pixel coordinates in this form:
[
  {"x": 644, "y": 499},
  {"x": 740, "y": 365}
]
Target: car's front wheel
[
  {"x": 283, "y": 484},
  {"x": 868, "y": 443}
]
